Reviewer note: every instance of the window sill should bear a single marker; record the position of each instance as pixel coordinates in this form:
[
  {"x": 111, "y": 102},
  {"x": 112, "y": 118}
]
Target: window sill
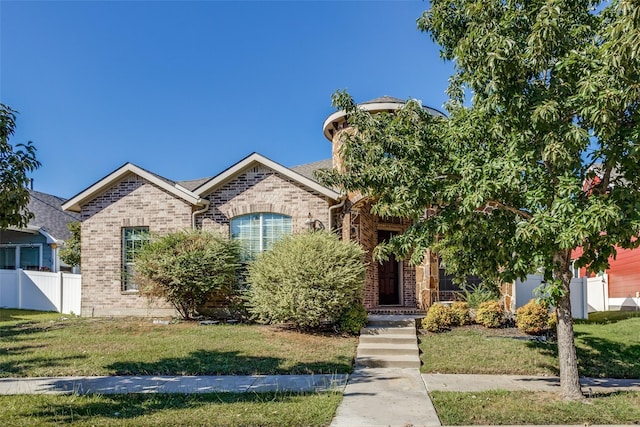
[{"x": 131, "y": 292}]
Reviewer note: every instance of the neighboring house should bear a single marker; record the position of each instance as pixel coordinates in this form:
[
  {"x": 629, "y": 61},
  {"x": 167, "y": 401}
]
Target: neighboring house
[
  {"x": 621, "y": 280},
  {"x": 36, "y": 247},
  {"x": 256, "y": 201}
]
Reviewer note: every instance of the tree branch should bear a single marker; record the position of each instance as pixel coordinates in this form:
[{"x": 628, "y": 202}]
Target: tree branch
[{"x": 498, "y": 205}]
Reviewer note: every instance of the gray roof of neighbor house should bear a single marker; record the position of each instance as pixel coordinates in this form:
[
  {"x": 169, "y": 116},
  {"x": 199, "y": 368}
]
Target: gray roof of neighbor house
[
  {"x": 308, "y": 169},
  {"x": 49, "y": 215}
]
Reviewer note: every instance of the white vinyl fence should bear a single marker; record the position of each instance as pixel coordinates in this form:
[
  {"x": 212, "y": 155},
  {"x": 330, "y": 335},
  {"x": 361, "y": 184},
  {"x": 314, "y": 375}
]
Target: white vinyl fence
[
  {"x": 38, "y": 290},
  {"x": 587, "y": 295}
]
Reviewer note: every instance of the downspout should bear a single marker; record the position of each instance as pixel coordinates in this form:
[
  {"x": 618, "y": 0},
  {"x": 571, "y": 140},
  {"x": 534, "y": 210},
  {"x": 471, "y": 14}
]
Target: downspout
[
  {"x": 331, "y": 209},
  {"x": 199, "y": 211}
]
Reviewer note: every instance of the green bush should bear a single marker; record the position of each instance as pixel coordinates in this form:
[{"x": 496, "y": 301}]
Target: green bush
[
  {"x": 533, "y": 318},
  {"x": 490, "y": 314},
  {"x": 439, "y": 318},
  {"x": 187, "y": 268},
  {"x": 353, "y": 319},
  {"x": 460, "y": 313},
  {"x": 307, "y": 280}
]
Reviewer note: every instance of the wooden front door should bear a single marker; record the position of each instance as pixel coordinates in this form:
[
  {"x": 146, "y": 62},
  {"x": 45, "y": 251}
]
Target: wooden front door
[{"x": 388, "y": 276}]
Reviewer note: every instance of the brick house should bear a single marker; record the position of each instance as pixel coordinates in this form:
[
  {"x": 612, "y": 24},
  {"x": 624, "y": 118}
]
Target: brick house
[{"x": 256, "y": 201}]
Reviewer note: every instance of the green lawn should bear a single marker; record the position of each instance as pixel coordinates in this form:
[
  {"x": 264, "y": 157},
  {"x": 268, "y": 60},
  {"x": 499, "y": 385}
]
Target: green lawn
[
  {"x": 608, "y": 345},
  {"x": 49, "y": 344},
  {"x": 523, "y": 407},
  {"x": 225, "y": 409},
  {"x": 605, "y": 348}
]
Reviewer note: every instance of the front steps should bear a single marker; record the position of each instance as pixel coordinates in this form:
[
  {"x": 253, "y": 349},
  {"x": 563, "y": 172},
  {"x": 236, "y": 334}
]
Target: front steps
[{"x": 388, "y": 342}]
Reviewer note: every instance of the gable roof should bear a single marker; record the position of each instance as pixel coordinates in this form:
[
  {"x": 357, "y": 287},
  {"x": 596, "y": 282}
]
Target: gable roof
[
  {"x": 177, "y": 190},
  {"x": 49, "y": 215},
  {"x": 253, "y": 159}
]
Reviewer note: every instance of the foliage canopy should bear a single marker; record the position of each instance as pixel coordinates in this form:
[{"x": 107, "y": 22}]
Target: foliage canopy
[
  {"x": 15, "y": 163},
  {"x": 70, "y": 253}
]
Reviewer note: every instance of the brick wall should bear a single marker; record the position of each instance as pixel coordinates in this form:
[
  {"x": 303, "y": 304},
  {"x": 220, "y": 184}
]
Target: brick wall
[
  {"x": 361, "y": 226},
  {"x": 132, "y": 202},
  {"x": 261, "y": 189}
]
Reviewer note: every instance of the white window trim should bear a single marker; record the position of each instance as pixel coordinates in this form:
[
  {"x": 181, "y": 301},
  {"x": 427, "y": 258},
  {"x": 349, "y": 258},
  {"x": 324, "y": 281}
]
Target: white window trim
[
  {"x": 17, "y": 246},
  {"x": 123, "y": 254},
  {"x": 261, "y": 216}
]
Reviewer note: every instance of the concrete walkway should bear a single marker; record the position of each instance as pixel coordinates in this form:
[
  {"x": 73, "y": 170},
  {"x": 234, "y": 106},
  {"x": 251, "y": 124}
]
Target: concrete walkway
[
  {"x": 372, "y": 396},
  {"x": 385, "y": 397},
  {"x": 173, "y": 384},
  {"x": 473, "y": 383},
  {"x": 386, "y": 388}
]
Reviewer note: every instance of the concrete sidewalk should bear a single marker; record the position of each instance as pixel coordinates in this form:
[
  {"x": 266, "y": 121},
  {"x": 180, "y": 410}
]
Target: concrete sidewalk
[
  {"x": 173, "y": 384},
  {"x": 472, "y": 383}
]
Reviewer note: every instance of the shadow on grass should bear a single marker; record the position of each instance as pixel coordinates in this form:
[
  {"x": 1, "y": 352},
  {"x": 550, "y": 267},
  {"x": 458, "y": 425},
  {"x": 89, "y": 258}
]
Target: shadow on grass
[
  {"x": 20, "y": 329},
  {"x": 201, "y": 362},
  {"x": 17, "y": 368},
  {"x": 603, "y": 358},
  {"x": 79, "y": 409}
]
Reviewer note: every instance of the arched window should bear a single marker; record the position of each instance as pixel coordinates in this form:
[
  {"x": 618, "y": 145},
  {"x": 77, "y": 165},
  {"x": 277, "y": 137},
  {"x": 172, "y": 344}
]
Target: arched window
[{"x": 258, "y": 231}]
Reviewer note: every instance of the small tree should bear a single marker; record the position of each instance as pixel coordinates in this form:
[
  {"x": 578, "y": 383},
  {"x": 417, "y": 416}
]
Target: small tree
[
  {"x": 70, "y": 253},
  {"x": 14, "y": 165},
  {"x": 306, "y": 280},
  {"x": 186, "y": 268}
]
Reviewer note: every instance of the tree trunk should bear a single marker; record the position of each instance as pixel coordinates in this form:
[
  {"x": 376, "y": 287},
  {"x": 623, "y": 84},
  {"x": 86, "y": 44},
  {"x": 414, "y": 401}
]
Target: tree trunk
[{"x": 567, "y": 360}]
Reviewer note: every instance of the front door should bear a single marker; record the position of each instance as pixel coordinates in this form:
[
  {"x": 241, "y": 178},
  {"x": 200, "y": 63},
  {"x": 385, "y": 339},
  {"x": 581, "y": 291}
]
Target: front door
[{"x": 388, "y": 276}]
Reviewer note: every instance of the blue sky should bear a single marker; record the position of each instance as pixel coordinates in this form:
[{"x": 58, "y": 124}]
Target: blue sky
[{"x": 186, "y": 89}]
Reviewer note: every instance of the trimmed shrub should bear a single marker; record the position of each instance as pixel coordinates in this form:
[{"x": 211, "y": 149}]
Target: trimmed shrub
[
  {"x": 187, "y": 268},
  {"x": 490, "y": 314},
  {"x": 438, "y": 318},
  {"x": 307, "y": 280},
  {"x": 353, "y": 319},
  {"x": 533, "y": 318},
  {"x": 460, "y": 313}
]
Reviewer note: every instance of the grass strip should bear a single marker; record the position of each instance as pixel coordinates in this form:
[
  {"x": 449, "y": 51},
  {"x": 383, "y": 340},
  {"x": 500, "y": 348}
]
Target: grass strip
[
  {"x": 223, "y": 409},
  {"x": 536, "y": 408}
]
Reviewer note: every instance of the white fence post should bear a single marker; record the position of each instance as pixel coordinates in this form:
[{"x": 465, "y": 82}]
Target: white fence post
[
  {"x": 61, "y": 287},
  {"x": 20, "y": 273}
]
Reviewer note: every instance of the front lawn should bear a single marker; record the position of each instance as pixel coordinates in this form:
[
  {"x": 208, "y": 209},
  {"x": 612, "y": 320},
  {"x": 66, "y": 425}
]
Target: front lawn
[
  {"x": 50, "y": 344},
  {"x": 609, "y": 349},
  {"x": 223, "y": 409}
]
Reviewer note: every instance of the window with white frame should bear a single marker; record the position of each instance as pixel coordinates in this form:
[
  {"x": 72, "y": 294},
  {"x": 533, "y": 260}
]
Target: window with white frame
[
  {"x": 257, "y": 232},
  {"x": 25, "y": 257},
  {"x": 133, "y": 238}
]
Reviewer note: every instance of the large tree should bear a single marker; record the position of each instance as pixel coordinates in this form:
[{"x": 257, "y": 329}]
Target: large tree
[
  {"x": 539, "y": 154},
  {"x": 15, "y": 164}
]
